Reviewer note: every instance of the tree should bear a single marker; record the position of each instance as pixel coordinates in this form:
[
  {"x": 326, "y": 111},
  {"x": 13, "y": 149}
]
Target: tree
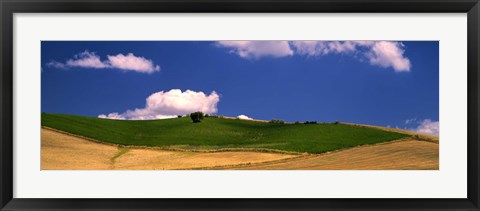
[
  {"x": 196, "y": 116},
  {"x": 276, "y": 121}
]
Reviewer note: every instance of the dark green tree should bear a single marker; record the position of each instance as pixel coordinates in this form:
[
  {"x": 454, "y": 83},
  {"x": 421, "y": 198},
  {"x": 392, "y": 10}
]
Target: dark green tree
[
  {"x": 196, "y": 116},
  {"x": 276, "y": 121}
]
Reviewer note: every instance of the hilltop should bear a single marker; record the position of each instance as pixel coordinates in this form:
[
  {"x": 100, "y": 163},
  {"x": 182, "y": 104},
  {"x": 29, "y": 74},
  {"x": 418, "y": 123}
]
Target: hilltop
[{"x": 217, "y": 134}]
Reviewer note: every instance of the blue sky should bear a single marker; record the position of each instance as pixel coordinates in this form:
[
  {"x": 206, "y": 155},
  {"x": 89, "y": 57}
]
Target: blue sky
[{"x": 383, "y": 83}]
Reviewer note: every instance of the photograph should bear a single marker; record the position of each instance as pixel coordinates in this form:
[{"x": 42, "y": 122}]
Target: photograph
[{"x": 240, "y": 105}]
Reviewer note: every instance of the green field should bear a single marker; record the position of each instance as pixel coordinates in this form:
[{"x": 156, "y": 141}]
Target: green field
[{"x": 219, "y": 133}]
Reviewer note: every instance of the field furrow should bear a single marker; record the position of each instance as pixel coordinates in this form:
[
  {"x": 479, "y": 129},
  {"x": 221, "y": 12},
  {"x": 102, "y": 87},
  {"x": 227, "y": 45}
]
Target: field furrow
[{"x": 397, "y": 155}]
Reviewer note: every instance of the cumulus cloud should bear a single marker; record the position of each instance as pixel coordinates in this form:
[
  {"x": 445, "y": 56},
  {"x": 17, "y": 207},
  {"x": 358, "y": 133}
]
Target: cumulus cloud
[
  {"x": 427, "y": 126},
  {"x": 111, "y": 116},
  {"x": 128, "y": 62},
  {"x": 162, "y": 105},
  {"x": 244, "y": 117},
  {"x": 389, "y": 54},
  {"x": 257, "y": 49},
  {"x": 379, "y": 53}
]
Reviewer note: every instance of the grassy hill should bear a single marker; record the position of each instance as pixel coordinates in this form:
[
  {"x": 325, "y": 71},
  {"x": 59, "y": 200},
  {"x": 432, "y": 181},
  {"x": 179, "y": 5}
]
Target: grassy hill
[{"x": 218, "y": 133}]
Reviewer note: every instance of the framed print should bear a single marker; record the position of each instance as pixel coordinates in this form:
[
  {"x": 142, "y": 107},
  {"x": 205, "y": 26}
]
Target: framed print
[{"x": 250, "y": 105}]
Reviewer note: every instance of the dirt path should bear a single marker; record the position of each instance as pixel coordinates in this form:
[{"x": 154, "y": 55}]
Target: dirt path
[
  {"x": 398, "y": 155},
  {"x": 64, "y": 152}
]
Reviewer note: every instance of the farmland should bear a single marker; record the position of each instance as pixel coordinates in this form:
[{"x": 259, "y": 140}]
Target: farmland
[
  {"x": 220, "y": 134},
  {"x": 65, "y": 152},
  {"x": 396, "y": 155},
  {"x": 85, "y": 143}
]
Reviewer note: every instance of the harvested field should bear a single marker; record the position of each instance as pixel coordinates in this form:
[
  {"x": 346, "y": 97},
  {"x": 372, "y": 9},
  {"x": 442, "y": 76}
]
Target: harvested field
[
  {"x": 397, "y": 155},
  {"x": 155, "y": 159},
  {"x": 64, "y": 152}
]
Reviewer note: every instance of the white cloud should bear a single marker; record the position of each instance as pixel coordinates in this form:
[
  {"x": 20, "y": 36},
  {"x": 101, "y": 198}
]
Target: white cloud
[
  {"x": 86, "y": 59},
  {"x": 428, "y": 126},
  {"x": 111, "y": 116},
  {"x": 309, "y": 48},
  {"x": 257, "y": 49},
  {"x": 379, "y": 53},
  {"x": 131, "y": 62},
  {"x": 389, "y": 54},
  {"x": 244, "y": 117},
  {"x": 57, "y": 65},
  {"x": 410, "y": 121},
  {"x": 128, "y": 62},
  {"x": 162, "y": 105},
  {"x": 319, "y": 48}
]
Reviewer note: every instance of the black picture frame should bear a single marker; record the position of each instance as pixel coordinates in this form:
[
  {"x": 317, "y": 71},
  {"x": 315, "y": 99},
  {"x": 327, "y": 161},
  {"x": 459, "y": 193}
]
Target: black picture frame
[{"x": 9, "y": 7}]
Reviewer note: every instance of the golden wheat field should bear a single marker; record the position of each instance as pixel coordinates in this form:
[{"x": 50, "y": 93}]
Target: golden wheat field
[
  {"x": 64, "y": 152},
  {"x": 396, "y": 155}
]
